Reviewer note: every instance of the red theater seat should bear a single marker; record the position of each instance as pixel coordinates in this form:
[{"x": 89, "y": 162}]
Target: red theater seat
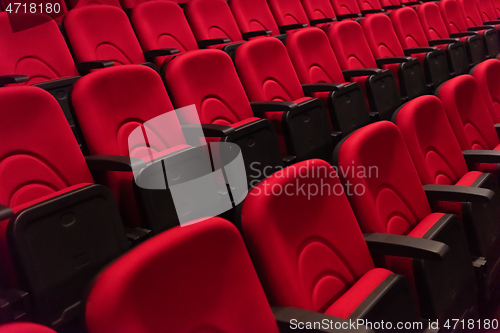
[
  {"x": 289, "y": 14},
  {"x": 58, "y": 229},
  {"x": 309, "y": 251},
  {"x": 439, "y": 160},
  {"x": 486, "y": 75},
  {"x": 79, "y": 3},
  {"x": 346, "y": 9},
  {"x": 356, "y": 59},
  {"x": 435, "y": 29},
  {"x": 370, "y": 6},
  {"x": 319, "y": 12},
  {"x": 253, "y": 16},
  {"x": 162, "y": 25},
  {"x": 25, "y": 328},
  {"x": 456, "y": 25},
  {"x": 321, "y": 77},
  {"x": 390, "y": 199},
  {"x": 274, "y": 89},
  {"x": 473, "y": 18}
]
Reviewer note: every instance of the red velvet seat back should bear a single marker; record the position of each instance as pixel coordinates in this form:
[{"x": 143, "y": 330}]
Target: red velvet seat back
[
  {"x": 470, "y": 12},
  {"x": 389, "y": 197},
  {"x": 408, "y": 29},
  {"x": 102, "y": 33},
  {"x": 26, "y": 53},
  {"x": 253, "y": 15},
  {"x": 486, "y": 75},
  {"x": 431, "y": 142},
  {"x": 212, "y": 19},
  {"x": 468, "y": 114},
  {"x": 350, "y": 45},
  {"x": 381, "y": 36},
  {"x": 312, "y": 57},
  {"x": 369, "y": 4},
  {"x": 39, "y": 154},
  {"x": 343, "y": 7},
  {"x": 80, "y": 3},
  {"x": 288, "y": 12},
  {"x": 318, "y": 9},
  {"x": 208, "y": 79},
  {"x": 390, "y": 3},
  {"x": 307, "y": 249},
  {"x": 196, "y": 278},
  {"x": 452, "y": 16},
  {"x": 266, "y": 71},
  {"x": 25, "y": 328},
  {"x": 431, "y": 21},
  {"x": 109, "y": 105},
  {"x": 487, "y": 10},
  {"x": 162, "y": 24}
]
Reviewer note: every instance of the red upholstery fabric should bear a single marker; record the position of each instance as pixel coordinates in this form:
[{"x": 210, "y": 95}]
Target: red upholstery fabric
[
  {"x": 342, "y": 7},
  {"x": 486, "y": 75},
  {"x": 102, "y": 33},
  {"x": 385, "y": 3},
  {"x": 28, "y": 53},
  {"x": 212, "y": 19},
  {"x": 318, "y": 9},
  {"x": 57, "y": 17},
  {"x": 305, "y": 256},
  {"x": 25, "y": 328},
  {"x": 431, "y": 21},
  {"x": 452, "y": 16},
  {"x": 253, "y": 15},
  {"x": 287, "y": 12},
  {"x": 218, "y": 101},
  {"x": 162, "y": 24},
  {"x": 394, "y": 200},
  {"x": 408, "y": 29},
  {"x": 80, "y": 3},
  {"x": 152, "y": 288},
  {"x": 468, "y": 114},
  {"x": 470, "y": 12},
  {"x": 369, "y": 5},
  {"x": 109, "y": 105},
  {"x": 496, "y": 5},
  {"x": 487, "y": 10}
]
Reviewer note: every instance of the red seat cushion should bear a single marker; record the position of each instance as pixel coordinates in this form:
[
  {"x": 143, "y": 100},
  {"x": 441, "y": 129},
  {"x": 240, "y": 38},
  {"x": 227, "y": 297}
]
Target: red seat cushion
[
  {"x": 25, "y": 328},
  {"x": 253, "y": 15}
]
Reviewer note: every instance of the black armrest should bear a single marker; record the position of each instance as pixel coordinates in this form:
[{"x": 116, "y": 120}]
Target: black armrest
[
  {"x": 458, "y": 193},
  {"x": 58, "y": 83},
  {"x": 443, "y": 41},
  {"x": 405, "y": 246},
  {"x": 347, "y": 16},
  {"x": 109, "y": 163},
  {"x": 137, "y": 235},
  {"x": 86, "y": 67},
  {"x": 202, "y": 44},
  {"x": 463, "y": 34},
  {"x": 350, "y": 73},
  {"x": 391, "y": 60},
  {"x": 13, "y": 305},
  {"x": 482, "y": 156},
  {"x": 415, "y": 50},
  {"x": 497, "y": 128},
  {"x": 252, "y": 34},
  {"x": 209, "y": 130},
  {"x": 288, "y": 317},
  {"x": 285, "y": 28},
  {"x": 392, "y": 7},
  {"x": 482, "y": 27},
  {"x": 321, "y": 87},
  {"x": 372, "y": 11},
  {"x": 150, "y": 54},
  {"x": 271, "y": 106},
  {"x": 491, "y": 22},
  {"x": 10, "y": 79},
  {"x": 5, "y": 212},
  {"x": 321, "y": 21}
]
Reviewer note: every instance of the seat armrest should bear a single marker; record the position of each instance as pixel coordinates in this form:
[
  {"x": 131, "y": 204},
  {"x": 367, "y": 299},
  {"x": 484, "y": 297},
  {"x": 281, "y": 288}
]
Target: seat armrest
[
  {"x": 482, "y": 27},
  {"x": 5, "y": 212},
  {"x": 288, "y": 319},
  {"x": 321, "y": 21},
  {"x": 150, "y": 54},
  {"x": 86, "y": 67},
  {"x": 10, "y": 79},
  {"x": 272, "y": 106},
  {"x": 405, "y": 246},
  {"x": 138, "y": 235},
  {"x": 203, "y": 44},
  {"x": 443, "y": 41},
  {"x": 321, "y": 87},
  {"x": 391, "y": 60},
  {"x": 13, "y": 305},
  {"x": 372, "y": 11},
  {"x": 285, "y": 28},
  {"x": 392, "y": 7},
  {"x": 347, "y": 16},
  {"x": 257, "y": 33},
  {"x": 463, "y": 34},
  {"x": 497, "y": 128},
  {"x": 458, "y": 193},
  {"x": 350, "y": 73},
  {"x": 110, "y": 162},
  {"x": 415, "y": 50},
  {"x": 209, "y": 130},
  {"x": 482, "y": 156},
  {"x": 491, "y": 22}
]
